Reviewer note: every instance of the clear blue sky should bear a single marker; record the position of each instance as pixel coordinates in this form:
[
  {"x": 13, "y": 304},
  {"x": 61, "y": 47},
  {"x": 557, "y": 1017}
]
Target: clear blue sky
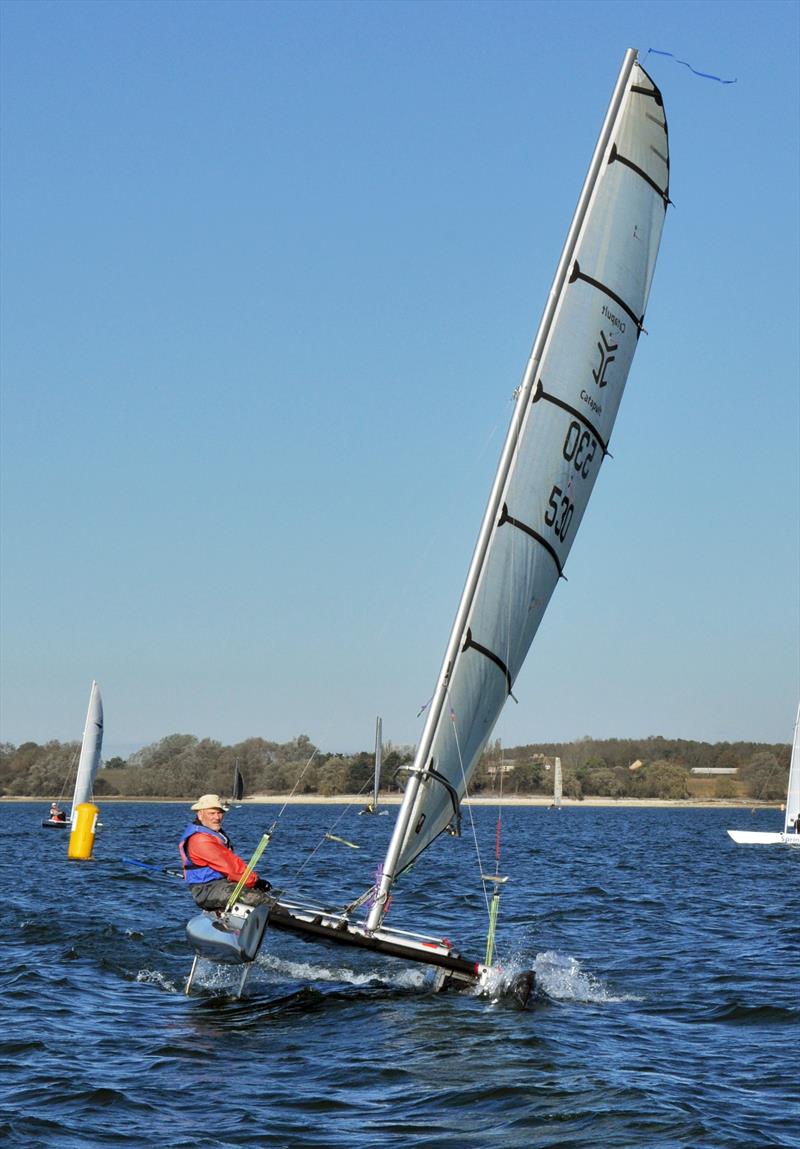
[{"x": 271, "y": 273}]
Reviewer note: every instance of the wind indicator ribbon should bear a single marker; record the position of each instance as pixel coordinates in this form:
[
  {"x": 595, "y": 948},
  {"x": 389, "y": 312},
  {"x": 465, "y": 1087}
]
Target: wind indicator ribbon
[{"x": 686, "y": 64}]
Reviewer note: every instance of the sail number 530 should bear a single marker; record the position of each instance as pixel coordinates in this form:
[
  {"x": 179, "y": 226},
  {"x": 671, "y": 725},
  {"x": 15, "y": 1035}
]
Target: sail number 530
[
  {"x": 560, "y": 514},
  {"x": 579, "y": 448}
]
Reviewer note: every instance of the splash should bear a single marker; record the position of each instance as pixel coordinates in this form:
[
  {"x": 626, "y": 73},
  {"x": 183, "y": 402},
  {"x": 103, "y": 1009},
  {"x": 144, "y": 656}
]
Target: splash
[
  {"x": 158, "y": 979},
  {"x": 305, "y": 971},
  {"x": 563, "y": 978}
]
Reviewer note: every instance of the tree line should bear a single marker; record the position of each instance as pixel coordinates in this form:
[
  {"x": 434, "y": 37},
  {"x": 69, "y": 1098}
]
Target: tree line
[{"x": 184, "y": 766}]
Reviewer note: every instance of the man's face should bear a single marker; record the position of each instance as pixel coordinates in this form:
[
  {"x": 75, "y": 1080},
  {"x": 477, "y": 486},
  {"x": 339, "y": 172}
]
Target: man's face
[{"x": 211, "y": 819}]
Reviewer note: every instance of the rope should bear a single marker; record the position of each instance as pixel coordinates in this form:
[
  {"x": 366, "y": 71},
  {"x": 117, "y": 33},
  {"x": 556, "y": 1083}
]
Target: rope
[
  {"x": 328, "y": 833},
  {"x": 469, "y": 808}
]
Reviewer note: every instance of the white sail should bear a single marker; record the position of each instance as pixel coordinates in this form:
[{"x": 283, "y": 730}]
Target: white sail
[
  {"x": 557, "y": 783},
  {"x": 791, "y": 830},
  {"x": 378, "y": 761},
  {"x": 91, "y": 748},
  {"x": 793, "y": 792},
  {"x": 558, "y": 437}
]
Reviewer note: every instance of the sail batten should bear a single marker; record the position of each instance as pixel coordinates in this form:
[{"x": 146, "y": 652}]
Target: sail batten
[{"x": 551, "y": 458}]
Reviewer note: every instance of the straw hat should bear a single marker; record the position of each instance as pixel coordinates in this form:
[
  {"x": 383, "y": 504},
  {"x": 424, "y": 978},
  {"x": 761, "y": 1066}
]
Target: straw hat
[{"x": 209, "y": 802}]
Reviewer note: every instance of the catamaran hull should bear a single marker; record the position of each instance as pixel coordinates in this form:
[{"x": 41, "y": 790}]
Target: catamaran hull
[
  {"x": 235, "y": 938},
  {"x": 452, "y": 969},
  {"x": 56, "y": 824},
  {"x": 763, "y": 838}
]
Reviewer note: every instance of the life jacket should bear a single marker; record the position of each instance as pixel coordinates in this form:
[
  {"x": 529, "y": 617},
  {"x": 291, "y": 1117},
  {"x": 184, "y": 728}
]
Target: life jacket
[{"x": 192, "y": 872}]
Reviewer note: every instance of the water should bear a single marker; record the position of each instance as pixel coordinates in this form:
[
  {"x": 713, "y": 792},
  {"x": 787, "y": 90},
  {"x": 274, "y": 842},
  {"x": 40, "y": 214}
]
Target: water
[{"x": 666, "y": 1014}]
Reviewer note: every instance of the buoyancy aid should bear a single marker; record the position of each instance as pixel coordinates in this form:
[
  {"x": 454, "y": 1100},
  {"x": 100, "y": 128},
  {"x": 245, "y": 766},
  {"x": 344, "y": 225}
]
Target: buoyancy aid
[{"x": 192, "y": 872}]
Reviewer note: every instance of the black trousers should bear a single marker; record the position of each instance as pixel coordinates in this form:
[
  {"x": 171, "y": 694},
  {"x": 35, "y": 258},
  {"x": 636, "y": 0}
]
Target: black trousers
[{"x": 214, "y": 895}]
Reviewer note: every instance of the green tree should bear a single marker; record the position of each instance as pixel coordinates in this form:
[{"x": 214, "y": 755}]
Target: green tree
[
  {"x": 662, "y": 780},
  {"x": 725, "y": 787}
]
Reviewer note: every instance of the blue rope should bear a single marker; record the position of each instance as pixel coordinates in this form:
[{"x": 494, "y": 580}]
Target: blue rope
[{"x": 703, "y": 75}]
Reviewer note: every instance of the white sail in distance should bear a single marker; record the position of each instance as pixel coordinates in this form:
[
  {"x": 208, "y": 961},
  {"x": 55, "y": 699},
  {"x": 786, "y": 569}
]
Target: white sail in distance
[
  {"x": 793, "y": 792},
  {"x": 376, "y": 785},
  {"x": 559, "y": 435},
  {"x": 91, "y": 748}
]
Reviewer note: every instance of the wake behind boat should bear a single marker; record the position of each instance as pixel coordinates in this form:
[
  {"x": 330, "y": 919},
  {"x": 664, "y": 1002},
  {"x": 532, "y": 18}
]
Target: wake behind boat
[
  {"x": 559, "y": 436},
  {"x": 791, "y": 822}
]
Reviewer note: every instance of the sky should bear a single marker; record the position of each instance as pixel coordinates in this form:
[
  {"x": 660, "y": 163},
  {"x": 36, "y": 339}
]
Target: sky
[{"x": 271, "y": 273}]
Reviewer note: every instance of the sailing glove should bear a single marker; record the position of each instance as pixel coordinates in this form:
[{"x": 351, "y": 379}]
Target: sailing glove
[{"x": 262, "y": 884}]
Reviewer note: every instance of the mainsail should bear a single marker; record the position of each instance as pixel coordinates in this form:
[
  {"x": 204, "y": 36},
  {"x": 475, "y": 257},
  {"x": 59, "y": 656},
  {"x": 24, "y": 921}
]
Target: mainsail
[
  {"x": 376, "y": 785},
  {"x": 91, "y": 747},
  {"x": 557, "y": 440},
  {"x": 793, "y": 793},
  {"x": 558, "y": 787}
]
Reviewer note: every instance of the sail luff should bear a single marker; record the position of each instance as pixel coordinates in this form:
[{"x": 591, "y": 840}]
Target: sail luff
[
  {"x": 91, "y": 747},
  {"x": 793, "y": 790},
  {"x": 436, "y": 714}
]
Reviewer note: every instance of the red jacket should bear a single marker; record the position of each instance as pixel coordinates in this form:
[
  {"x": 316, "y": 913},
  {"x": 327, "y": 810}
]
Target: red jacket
[{"x": 208, "y": 850}]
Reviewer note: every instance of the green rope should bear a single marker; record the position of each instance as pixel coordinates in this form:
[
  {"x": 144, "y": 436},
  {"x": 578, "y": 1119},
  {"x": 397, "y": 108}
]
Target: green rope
[{"x": 251, "y": 865}]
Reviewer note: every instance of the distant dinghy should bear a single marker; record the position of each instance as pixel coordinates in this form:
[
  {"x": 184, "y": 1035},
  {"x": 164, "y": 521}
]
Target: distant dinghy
[
  {"x": 791, "y": 829},
  {"x": 88, "y": 763},
  {"x": 372, "y": 806}
]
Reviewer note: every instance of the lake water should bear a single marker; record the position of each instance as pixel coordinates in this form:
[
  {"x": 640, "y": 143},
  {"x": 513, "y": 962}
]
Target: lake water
[{"x": 667, "y": 1009}]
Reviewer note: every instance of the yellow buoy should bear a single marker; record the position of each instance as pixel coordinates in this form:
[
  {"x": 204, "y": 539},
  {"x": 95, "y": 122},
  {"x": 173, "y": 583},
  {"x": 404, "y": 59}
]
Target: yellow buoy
[{"x": 81, "y": 838}]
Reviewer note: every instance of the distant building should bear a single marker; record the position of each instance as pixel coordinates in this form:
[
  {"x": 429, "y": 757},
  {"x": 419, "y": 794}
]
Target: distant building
[
  {"x": 637, "y": 765},
  {"x": 500, "y": 768},
  {"x": 714, "y": 770}
]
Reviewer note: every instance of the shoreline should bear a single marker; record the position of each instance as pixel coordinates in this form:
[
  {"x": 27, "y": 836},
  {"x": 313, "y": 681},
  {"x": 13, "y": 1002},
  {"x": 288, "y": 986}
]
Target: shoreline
[{"x": 395, "y": 800}]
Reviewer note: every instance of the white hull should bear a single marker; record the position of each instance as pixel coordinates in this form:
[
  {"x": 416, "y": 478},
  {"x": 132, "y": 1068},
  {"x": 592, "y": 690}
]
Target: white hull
[{"x": 759, "y": 838}]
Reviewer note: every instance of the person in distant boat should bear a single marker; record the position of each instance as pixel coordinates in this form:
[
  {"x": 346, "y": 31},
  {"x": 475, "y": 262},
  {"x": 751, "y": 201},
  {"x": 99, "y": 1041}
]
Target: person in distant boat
[
  {"x": 210, "y": 865},
  {"x": 56, "y": 813}
]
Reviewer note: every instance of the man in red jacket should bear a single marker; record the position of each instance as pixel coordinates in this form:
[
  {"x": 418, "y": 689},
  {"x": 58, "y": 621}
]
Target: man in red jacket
[{"x": 210, "y": 865}]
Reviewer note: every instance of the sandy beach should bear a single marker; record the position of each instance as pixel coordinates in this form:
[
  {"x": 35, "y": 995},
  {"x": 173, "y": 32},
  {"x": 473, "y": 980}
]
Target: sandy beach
[{"x": 490, "y": 800}]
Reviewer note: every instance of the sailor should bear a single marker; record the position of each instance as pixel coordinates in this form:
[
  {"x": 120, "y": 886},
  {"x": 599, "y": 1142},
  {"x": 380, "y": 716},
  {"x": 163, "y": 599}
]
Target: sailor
[
  {"x": 210, "y": 865},
  {"x": 56, "y": 813}
]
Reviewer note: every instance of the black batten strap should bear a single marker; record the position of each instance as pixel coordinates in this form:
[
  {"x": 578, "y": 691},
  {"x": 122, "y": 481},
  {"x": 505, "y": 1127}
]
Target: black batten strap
[
  {"x": 505, "y": 517},
  {"x": 540, "y": 393},
  {"x": 471, "y": 644},
  {"x": 577, "y": 274},
  {"x": 615, "y": 157}
]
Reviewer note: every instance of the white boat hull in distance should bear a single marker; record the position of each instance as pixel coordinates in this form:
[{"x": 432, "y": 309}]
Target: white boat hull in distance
[{"x": 763, "y": 838}]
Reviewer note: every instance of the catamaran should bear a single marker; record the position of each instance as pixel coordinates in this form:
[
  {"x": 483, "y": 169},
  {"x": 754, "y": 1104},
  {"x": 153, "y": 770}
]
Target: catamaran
[
  {"x": 558, "y": 437},
  {"x": 89, "y": 761},
  {"x": 791, "y": 821}
]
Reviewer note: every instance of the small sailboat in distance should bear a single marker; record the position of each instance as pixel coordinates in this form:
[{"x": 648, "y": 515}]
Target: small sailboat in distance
[
  {"x": 372, "y": 806},
  {"x": 557, "y": 440},
  {"x": 558, "y": 786},
  {"x": 88, "y": 763},
  {"x": 237, "y": 792},
  {"x": 791, "y": 821}
]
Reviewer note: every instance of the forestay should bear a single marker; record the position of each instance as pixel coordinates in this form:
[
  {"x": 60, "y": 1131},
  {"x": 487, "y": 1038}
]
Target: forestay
[{"x": 558, "y": 438}]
